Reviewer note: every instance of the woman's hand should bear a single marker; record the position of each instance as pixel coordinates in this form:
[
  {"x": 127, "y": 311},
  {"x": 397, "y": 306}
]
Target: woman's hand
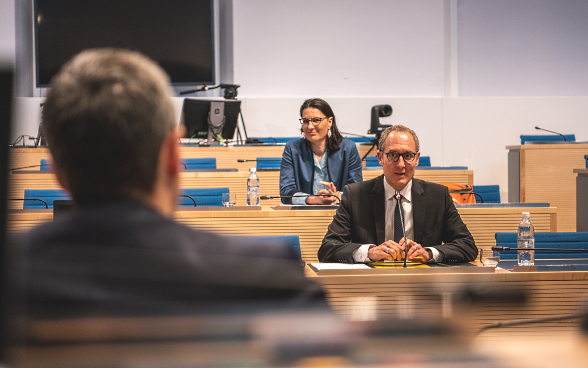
[{"x": 324, "y": 198}]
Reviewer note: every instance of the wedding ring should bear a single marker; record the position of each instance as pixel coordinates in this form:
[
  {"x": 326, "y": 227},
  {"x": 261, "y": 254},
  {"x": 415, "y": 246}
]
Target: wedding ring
[{"x": 388, "y": 250}]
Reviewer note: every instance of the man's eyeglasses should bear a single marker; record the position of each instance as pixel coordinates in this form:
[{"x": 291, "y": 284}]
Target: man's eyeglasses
[
  {"x": 394, "y": 156},
  {"x": 314, "y": 121}
]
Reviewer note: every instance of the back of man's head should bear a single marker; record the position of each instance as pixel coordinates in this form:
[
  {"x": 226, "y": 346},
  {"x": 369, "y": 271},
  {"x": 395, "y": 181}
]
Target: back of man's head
[{"x": 105, "y": 119}]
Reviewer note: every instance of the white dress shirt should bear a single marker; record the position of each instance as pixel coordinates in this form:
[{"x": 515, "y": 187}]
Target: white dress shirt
[{"x": 361, "y": 254}]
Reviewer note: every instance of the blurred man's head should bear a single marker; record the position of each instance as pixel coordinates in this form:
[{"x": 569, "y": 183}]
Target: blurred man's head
[{"x": 107, "y": 119}]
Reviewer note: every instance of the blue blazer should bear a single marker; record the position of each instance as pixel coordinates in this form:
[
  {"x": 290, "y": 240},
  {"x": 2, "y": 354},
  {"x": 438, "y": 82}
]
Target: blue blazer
[{"x": 297, "y": 167}]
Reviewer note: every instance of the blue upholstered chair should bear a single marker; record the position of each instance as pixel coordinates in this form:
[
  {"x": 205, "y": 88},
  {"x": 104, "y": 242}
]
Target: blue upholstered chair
[
  {"x": 291, "y": 240},
  {"x": 578, "y": 240},
  {"x": 199, "y": 163},
  {"x": 424, "y": 161},
  {"x": 586, "y": 158},
  {"x": 45, "y": 165},
  {"x": 268, "y": 163},
  {"x": 371, "y": 162},
  {"x": 204, "y": 197},
  {"x": 547, "y": 138},
  {"x": 489, "y": 193},
  {"x": 36, "y": 198}
]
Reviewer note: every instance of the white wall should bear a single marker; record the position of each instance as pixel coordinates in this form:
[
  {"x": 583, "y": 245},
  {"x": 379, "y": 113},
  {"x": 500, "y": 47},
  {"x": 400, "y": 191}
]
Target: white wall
[
  {"x": 523, "y": 48},
  {"x": 339, "y": 47},
  {"x": 7, "y": 33},
  {"x": 372, "y": 52},
  {"x": 521, "y": 63}
]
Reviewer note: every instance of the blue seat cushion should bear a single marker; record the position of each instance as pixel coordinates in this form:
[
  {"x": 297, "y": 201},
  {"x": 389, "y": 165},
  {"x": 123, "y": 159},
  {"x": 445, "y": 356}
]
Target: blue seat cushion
[
  {"x": 547, "y": 138},
  {"x": 490, "y": 193},
  {"x": 268, "y": 162},
  {"x": 292, "y": 241},
  {"x": 563, "y": 240},
  {"x": 204, "y": 197},
  {"x": 47, "y": 195},
  {"x": 200, "y": 163},
  {"x": 45, "y": 165}
]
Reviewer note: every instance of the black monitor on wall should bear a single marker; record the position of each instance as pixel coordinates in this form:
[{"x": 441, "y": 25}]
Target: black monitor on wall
[
  {"x": 178, "y": 34},
  {"x": 196, "y": 116}
]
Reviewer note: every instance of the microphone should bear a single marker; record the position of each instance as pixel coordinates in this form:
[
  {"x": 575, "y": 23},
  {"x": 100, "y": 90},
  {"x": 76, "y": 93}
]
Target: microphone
[
  {"x": 256, "y": 160},
  {"x": 30, "y": 199},
  {"x": 301, "y": 196},
  {"x": 398, "y": 198},
  {"x": 230, "y": 90},
  {"x": 27, "y": 167},
  {"x": 549, "y": 131},
  {"x": 187, "y": 196}
]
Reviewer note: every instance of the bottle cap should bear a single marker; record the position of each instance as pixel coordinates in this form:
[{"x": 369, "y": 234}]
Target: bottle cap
[
  {"x": 252, "y": 169},
  {"x": 526, "y": 215}
]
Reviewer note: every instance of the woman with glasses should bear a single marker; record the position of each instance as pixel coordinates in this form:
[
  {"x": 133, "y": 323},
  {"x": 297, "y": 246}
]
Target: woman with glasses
[{"x": 316, "y": 167}]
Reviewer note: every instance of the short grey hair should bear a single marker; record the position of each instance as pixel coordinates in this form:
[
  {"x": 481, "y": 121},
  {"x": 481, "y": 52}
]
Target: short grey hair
[
  {"x": 398, "y": 128},
  {"x": 105, "y": 119}
]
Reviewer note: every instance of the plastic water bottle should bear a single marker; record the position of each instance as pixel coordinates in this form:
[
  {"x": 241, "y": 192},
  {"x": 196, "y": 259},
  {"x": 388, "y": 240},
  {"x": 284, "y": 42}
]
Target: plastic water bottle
[
  {"x": 252, "y": 188},
  {"x": 526, "y": 241}
]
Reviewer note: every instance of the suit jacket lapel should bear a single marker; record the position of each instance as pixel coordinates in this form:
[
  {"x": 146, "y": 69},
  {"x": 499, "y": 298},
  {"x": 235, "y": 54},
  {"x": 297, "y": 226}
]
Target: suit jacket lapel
[
  {"x": 379, "y": 210},
  {"x": 419, "y": 208}
]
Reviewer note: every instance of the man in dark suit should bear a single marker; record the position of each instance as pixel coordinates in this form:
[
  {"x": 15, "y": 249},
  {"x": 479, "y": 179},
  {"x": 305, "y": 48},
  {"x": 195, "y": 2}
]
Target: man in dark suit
[
  {"x": 111, "y": 130},
  {"x": 369, "y": 221}
]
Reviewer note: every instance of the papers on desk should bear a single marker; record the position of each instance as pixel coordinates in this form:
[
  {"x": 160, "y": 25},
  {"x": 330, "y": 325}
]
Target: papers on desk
[
  {"x": 318, "y": 267},
  {"x": 344, "y": 269}
]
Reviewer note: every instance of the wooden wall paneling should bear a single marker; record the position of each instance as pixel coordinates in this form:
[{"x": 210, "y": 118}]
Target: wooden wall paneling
[{"x": 547, "y": 176}]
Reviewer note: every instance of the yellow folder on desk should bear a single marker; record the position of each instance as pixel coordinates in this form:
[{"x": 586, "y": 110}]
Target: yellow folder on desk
[{"x": 387, "y": 263}]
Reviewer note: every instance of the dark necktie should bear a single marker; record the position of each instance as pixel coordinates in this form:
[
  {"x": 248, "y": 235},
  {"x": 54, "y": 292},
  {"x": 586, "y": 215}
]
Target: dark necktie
[{"x": 397, "y": 220}]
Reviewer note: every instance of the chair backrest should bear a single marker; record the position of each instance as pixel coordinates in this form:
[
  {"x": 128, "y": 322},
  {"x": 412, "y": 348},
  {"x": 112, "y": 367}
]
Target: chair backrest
[
  {"x": 268, "y": 162},
  {"x": 200, "y": 163},
  {"x": 577, "y": 240},
  {"x": 547, "y": 138},
  {"x": 586, "y": 158},
  {"x": 489, "y": 193},
  {"x": 204, "y": 197},
  {"x": 45, "y": 166},
  {"x": 424, "y": 161},
  {"x": 372, "y": 162},
  {"x": 32, "y": 197},
  {"x": 292, "y": 241},
  {"x": 460, "y": 193}
]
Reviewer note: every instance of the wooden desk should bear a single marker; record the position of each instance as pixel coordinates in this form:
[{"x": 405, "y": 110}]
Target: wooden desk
[
  {"x": 226, "y": 157},
  {"x": 269, "y": 182},
  {"x": 311, "y": 225},
  {"x": 544, "y": 173},
  {"x": 581, "y": 199},
  {"x": 421, "y": 292}
]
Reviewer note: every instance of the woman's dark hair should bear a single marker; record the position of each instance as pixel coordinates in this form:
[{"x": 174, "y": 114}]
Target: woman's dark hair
[{"x": 322, "y": 105}]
